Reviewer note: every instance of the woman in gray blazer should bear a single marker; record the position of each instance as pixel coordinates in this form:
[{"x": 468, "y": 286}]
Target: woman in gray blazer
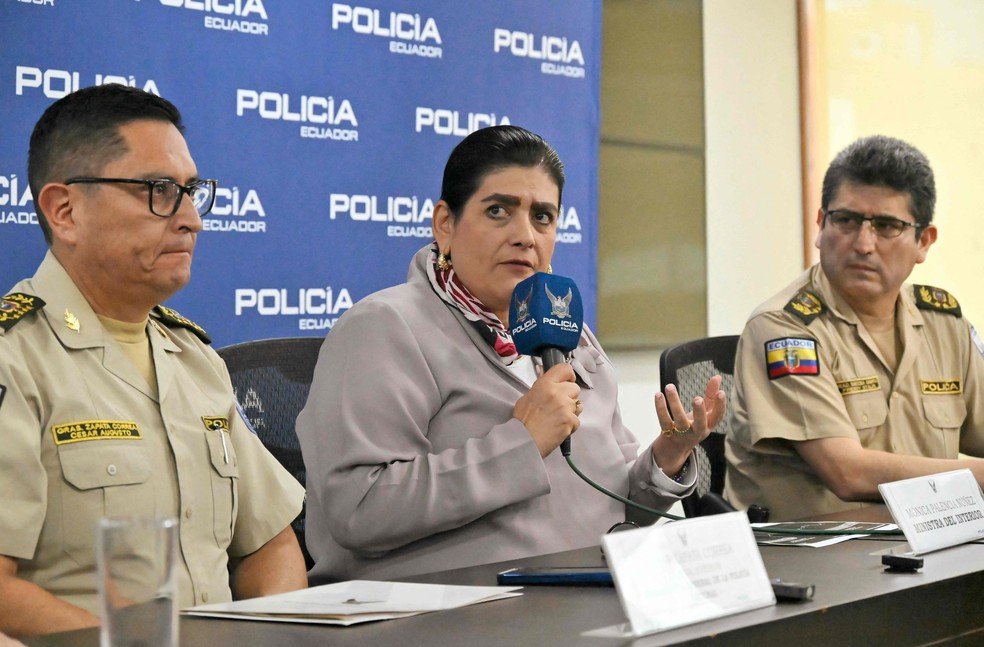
[{"x": 429, "y": 443}]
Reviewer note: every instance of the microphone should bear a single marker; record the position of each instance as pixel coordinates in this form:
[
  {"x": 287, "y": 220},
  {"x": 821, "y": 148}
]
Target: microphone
[{"x": 545, "y": 319}]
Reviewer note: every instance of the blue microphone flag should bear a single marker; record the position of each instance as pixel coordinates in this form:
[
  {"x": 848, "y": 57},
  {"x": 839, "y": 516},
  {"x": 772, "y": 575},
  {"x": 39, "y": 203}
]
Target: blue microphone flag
[{"x": 545, "y": 311}]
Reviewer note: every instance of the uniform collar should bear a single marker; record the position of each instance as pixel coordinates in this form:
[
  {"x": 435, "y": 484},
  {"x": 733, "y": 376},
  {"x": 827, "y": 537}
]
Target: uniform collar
[
  {"x": 67, "y": 311},
  {"x": 66, "y": 308},
  {"x": 905, "y": 304},
  {"x": 584, "y": 359}
]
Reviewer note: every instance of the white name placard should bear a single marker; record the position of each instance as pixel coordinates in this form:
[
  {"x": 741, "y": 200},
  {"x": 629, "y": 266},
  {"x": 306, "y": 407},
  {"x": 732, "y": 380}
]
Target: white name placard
[
  {"x": 687, "y": 571},
  {"x": 938, "y": 510}
]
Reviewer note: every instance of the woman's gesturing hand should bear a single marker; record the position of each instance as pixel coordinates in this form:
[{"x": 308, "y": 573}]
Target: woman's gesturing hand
[
  {"x": 550, "y": 410},
  {"x": 680, "y": 432}
]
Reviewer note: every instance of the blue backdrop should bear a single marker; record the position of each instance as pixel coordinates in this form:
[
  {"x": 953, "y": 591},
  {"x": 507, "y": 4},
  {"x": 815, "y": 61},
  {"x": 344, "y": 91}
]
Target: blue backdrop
[{"x": 327, "y": 125}]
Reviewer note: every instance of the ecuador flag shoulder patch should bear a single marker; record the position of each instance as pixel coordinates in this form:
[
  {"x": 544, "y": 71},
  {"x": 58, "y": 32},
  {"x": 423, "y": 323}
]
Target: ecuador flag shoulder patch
[{"x": 791, "y": 356}]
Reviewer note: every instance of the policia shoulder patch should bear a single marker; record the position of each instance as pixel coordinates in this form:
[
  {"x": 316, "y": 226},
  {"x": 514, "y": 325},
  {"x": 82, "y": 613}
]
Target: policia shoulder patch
[
  {"x": 805, "y": 305},
  {"x": 172, "y": 318},
  {"x": 14, "y": 307},
  {"x": 938, "y": 299}
]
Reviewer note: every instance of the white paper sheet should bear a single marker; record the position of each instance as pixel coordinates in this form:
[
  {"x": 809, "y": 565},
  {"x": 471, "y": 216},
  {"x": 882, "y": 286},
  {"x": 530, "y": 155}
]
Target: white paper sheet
[{"x": 356, "y": 601}]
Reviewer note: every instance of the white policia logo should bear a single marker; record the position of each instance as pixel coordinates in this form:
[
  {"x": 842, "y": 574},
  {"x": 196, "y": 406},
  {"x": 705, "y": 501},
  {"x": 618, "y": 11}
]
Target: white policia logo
[
  {"x": 449, "y": 122},
  {"x": 408, "y": 210},
  {"x": 306, "y": 110},
  {"x": 45, "y": 3},
  {"x": 240, "y": 205},
  {"x": 559, "y": 307},
  {"x": 56, "y": 84},
  {"x": 556, "y": 52},
  {"x": 411, "y": 31},
  {"x": 568, "y": 220},
  {"x": 12, "y": 196},
  {"x": 523, "y": 307},
  {"x": 241, "y": 9},
  {"x": 309, "y": 301}
]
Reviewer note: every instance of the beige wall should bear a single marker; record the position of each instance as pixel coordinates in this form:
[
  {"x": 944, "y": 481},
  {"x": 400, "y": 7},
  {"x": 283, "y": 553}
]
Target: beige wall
[
  {"x": 754, "y": 196},
  {"x": 699, "y": 195},
  {"x": 651, "y": 222},
  {"x": 751, "y": 245}
]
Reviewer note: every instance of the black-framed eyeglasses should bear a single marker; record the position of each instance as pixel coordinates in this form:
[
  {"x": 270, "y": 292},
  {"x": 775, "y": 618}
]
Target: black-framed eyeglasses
[
  {"x": 850, "y": 222},
  {"x": 164, "y": 196}
]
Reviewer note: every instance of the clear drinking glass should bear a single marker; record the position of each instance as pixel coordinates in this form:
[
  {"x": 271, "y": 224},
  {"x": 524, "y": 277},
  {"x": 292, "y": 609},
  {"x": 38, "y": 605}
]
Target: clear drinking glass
[{"x": 136, "y": 559}]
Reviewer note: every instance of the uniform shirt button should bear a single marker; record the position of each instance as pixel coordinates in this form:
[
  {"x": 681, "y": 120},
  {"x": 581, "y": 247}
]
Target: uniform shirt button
[
  {"x": 864, "y": 418},
  {"x": 205, "y": 596},
  {"x": 111, "y": 470},
  {"x": 188, "y": 513},
  {"x": 895, "y": 395}
]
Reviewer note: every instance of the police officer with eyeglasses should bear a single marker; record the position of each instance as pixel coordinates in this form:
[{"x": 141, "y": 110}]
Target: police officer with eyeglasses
[
  {"x": 850, "y": 377},
  {"x": 112, "y": 404}
]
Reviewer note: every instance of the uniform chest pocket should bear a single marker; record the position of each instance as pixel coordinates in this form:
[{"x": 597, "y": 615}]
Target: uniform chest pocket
[
  {"x": 866, "y": 410},
  {"x": 946, "y": 413},
  {"x": 225, "y": 484},
  {"x": 102, "y": 478}
]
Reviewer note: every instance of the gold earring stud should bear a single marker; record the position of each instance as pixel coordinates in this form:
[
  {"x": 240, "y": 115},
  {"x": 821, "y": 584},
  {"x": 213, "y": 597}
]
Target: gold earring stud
[{"x": 443, "y": 262}]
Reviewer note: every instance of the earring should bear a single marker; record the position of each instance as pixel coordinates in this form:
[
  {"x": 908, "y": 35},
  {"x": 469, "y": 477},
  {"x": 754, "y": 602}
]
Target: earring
[
  {"x": 443, "y": 262},
  {"x": 549, "y": 268}
]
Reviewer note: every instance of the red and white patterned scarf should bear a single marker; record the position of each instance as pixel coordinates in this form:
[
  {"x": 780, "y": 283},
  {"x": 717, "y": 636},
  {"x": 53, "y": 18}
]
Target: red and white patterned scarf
[{"x": 449, "y": 287}]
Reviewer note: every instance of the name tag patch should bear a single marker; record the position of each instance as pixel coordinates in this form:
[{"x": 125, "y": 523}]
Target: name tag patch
[
  {"x": 941, "y": 387},
  {"x": 859, "y": 385},
  {"x": 791, "y": 356},
  {"x": 74, "y": 432}
]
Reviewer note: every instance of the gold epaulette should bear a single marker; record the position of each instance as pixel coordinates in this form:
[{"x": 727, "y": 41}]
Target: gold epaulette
[
  {"x": 173, "y": 318},
  {"x": 805, "y": 305},
  {"x": 15, "y": 306},
  {"x": 938, "y": 299}
]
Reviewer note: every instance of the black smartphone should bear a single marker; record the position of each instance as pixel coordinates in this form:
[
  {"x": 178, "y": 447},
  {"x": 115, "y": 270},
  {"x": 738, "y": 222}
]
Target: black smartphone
[{"x": 558, "y": 575}]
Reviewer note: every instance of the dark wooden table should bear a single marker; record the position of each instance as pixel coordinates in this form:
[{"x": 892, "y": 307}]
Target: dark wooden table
[{"x": 856, "y": 603}]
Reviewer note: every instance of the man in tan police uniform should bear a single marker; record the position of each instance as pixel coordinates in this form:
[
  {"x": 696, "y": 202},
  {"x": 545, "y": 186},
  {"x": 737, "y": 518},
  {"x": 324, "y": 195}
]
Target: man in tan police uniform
[
  {"x": 111, "y": 404},
  {"x": 850, "y": 377}
]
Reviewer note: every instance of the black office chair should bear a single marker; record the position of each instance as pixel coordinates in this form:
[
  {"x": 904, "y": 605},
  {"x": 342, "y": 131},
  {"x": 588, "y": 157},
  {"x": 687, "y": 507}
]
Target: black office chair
[
  {"x": 689, "y": 366},
  {"x": 272, "y": 378}
]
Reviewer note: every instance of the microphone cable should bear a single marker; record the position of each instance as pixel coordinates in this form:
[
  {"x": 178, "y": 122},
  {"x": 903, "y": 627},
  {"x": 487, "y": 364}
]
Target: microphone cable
[{"x": 673, "y": 517}]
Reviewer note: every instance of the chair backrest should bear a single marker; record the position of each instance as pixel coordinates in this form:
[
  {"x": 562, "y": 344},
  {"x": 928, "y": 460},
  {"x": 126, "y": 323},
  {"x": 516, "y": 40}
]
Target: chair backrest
[
  {"x": 271, "y": 378},
  {"x": 689, "y": 366}
]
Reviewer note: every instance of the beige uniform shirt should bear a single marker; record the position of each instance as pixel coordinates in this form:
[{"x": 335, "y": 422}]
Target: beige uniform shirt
[
  {"x": 82, "y": 435},
  {"x": 930, "y": 406}
]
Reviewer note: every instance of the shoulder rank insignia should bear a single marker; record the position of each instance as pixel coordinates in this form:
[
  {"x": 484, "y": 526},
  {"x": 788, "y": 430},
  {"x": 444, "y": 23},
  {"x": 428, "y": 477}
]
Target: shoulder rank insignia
[
  {"x": 14, "y": 306},
  {"x": 805, "y": 305},
  {"x": 930, "y": 298},
  {"x": 172, "y": 318}
]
